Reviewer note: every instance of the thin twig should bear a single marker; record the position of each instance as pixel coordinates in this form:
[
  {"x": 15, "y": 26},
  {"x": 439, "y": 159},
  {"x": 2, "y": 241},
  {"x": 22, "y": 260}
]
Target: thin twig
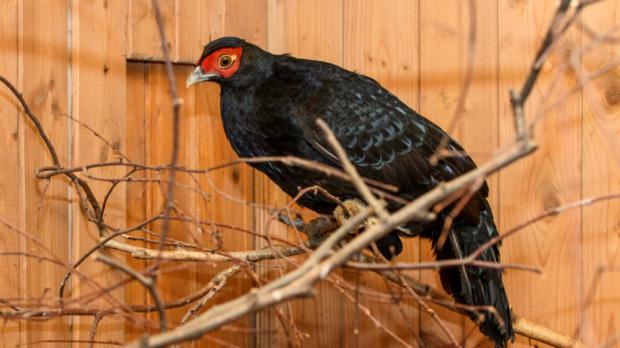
[
  {"x": 176, "y": 106},
  {"x": 215, "y": 285},
  {"x": 147, "y": 282},
  {"x": 93, "y": 330}
]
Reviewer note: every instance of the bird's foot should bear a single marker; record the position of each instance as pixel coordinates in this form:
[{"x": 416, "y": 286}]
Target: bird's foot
[
  {"x": 350, "y": 208},
  {"x": 347, "y": 209}
]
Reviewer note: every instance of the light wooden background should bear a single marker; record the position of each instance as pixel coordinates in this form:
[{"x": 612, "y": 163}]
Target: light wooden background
[{"x": 82, "y": 58}]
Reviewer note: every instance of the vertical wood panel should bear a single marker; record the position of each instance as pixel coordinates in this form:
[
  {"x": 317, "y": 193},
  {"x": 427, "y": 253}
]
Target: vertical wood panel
[
  {"x": 444, "y": 54},
  {"x": 99, "y": 100},
  {"x": 136, "y": 193},
  {"x": 10, "y": 179},
  {"x": 198, "y": 22},
  {"x": 549, "y": 178},
  {"x": 159, "y": 152},
  {"x": 142, "y": 34},
  {"x": 307, "y": 29},
  {"x": 43, "y": 80},
  {"x": 382, "y": 42},
  {"x": 190, "y": 21},
  {"x": 189, "y": 25},
  {"x": 601, "y": 170}
]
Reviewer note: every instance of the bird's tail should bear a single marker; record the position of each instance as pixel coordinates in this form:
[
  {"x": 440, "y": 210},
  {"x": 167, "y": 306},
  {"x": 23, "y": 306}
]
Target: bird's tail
[{"x": 479, "y": 287}]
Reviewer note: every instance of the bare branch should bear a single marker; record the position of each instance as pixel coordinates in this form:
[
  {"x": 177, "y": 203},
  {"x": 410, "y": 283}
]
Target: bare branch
[
  {"x": 176, "y": 106},
  {"x": 191, "y": 255}
]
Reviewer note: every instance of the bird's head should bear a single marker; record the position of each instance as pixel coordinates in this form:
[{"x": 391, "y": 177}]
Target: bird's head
[{"x": 229, "y": 60}]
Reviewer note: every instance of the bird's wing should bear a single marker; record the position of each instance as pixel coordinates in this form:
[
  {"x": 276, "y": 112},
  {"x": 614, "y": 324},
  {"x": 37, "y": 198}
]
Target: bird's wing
[{"x": 384, "y": 138}]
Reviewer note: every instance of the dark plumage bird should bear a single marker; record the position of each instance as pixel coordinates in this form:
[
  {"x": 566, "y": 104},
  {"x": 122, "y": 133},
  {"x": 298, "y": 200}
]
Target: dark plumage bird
[{"x": 269, "y": 106}]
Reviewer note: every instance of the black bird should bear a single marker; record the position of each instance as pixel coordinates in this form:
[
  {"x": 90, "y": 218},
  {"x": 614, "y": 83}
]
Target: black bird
[{"x": 269, "y": 106}]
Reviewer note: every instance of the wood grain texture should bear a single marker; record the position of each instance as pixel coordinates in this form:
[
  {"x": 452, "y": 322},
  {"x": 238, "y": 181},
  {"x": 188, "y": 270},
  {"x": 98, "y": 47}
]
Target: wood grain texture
[
  {"x": 142, "y": 35},
  {"x": 99, "y": 101},
  {"x": 308, "y": 29},
  {"x": 444, "y": 56},
  {"x": 383, "y": 42},
  {"x": 198, "y": 22},
  {"x": 547, "y": 179},
  {"x": 160, "y": 139},
  {"x": 44, "y": 213},
  {"x": 601, "y": 170},
  {"x": 136, "y": 193},
  {"x": 10, "y": 175},
  {"x": 188, "y": 25}
]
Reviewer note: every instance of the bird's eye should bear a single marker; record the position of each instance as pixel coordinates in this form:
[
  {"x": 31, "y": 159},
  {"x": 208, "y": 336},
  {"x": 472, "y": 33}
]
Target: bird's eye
[{"x": 225, "y": 61}]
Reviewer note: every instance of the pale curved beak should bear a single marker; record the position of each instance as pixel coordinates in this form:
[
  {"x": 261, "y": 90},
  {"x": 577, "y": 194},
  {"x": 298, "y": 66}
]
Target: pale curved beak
[{"x": 198, "y": 76}]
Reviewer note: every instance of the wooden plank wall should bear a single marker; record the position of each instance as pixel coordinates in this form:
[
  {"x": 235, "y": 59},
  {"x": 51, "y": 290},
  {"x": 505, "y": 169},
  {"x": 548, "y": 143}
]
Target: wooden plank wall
[
  {"x": 552, "y": 178},
  {"x": 99, "y": 101},
  {"x": 418, "y": 49},
  {"x": 42, "y": 76},
  {"x": 600, "y": 173},
  {"x": 11, "y": 172}
]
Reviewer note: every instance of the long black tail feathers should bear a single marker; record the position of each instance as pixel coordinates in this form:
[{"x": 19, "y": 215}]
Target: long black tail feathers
[{"x": 478, "y": 287}]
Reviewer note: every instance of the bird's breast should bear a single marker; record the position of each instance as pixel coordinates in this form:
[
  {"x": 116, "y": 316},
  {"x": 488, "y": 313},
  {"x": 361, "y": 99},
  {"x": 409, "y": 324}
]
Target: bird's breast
[
  {"x": 260, "y": 125},
  {"x": 258, "y": 130}
]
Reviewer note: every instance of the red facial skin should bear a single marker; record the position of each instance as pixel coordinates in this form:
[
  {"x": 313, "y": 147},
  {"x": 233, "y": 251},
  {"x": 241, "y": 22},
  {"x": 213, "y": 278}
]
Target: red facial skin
[{"x": 210, "y": 63}]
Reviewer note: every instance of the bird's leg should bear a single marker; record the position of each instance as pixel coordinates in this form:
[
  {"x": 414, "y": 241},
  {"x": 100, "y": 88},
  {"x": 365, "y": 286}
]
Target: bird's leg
[
  {"x": 316, "y": 229},
  {"x": 298, "y": 224},
  {"x": 319, "y": 228}
]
